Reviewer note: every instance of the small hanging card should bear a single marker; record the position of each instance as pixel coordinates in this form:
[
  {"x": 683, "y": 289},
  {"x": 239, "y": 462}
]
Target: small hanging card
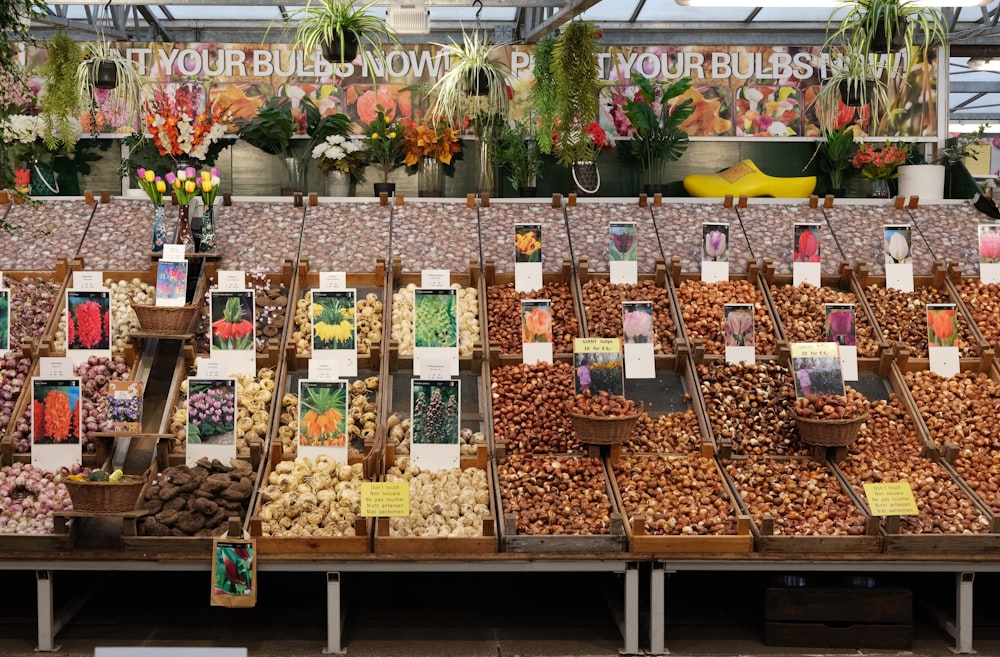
[
  {"x": 211, "y": 425},
  {"x": 942, "y": 329},
  {"x": 55, "y": 368},
  {"x": 323, "y": 419},
  {"x": 738, "y": 332},
  {"x": 232, "y": 330},
  {"x": 234, "y": 572},
  {"x": 989, "y": 253},
  {"x": 816, "y": 368},
  {"x": 322, "y": 370},
  {"x": 527, "y": 257},
  {"x": 385, "y": 499},
  {"x": 623, "y": 253},
  {"x": 231, "y": 280},
  {"x": 88, "y": 328},
  {"x": 714, "y": 252},
  {"x": 899, "y": 258},
  {"x": 88, "y": 280},
  {"x": 55, "y": 423},
  {"x": 125, "y": 405},
  {"x": 598, "y": 364},
  {"x": 332, "y": 280},
  {"x": 334, "y": 334},
  {"x": 210, "y": 368},
  {"x": 806, "y": 255},
  {"x": 637, "y": 332},
  {"x": 435, "y": 407},
  {"x": 842, "y": 328},
  {"x": 171, "y": 282},
  {"x": 435, "y": 279},
  {"x": 435, "y": 327},
  {"x": 536, "y": 331},
  {"x": 4, "y": 320},
  {"x": 173, "y": 252},
  {"x": 894, "y": 498}
]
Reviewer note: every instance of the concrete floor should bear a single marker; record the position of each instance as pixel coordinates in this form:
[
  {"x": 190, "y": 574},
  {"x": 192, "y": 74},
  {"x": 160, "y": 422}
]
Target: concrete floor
[{"x": 436, "y": 615}]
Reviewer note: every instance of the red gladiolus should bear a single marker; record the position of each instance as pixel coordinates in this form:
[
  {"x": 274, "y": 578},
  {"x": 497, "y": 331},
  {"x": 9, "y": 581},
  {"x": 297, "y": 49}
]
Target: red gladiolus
[{"x": 90, "y": 324}]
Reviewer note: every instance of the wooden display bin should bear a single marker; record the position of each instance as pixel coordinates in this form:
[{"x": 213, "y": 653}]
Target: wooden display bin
[
  {"x": 492, "y": 278},
  {"x": 63, "y": 536},
  {"x": 364, "y": 283},
  {"x": 478, "y": 545},
  {"x": 270, "y": 545},
  {"x": 471, "y": 279},
  {"x": 640, "y": 541},
  {"x": 675, "y": 349},
  {"x": 679, "y": 223}
]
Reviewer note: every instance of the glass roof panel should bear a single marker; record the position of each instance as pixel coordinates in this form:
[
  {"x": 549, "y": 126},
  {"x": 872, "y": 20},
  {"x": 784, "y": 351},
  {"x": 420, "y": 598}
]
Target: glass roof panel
[
  {"x": 468, "y": 14},
  {"x": 803, "y": 13},
  {"x": 611, "y": 10},
  {"x": 221, "y": 12},
  {"x": 662, "y": 10}
]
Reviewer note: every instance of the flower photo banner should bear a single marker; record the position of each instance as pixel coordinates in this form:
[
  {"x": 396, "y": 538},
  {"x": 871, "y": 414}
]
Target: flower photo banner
[{"x": 737, "y": 91}]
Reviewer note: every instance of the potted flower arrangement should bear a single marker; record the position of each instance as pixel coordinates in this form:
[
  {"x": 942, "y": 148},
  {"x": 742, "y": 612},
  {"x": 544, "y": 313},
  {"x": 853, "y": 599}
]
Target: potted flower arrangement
[
  {"x": 342, "y": 158},
  {"x": 879, "y": 166},
  {"x": 519, "y": 153},
  {"x": 927, "y": 180},
  {"x": 180, "y": 126},
  {"x": 23, "y": 138},
  {"x": 430, "y": 144},
  {"x": 340, "y": 29},
  {"x": 155, "y": 187},
  {"x": 386, "y": 148}
]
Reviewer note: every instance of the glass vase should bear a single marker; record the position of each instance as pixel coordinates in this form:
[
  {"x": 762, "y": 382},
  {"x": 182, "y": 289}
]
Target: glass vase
[
  {"x": 430, "y": 178},
  {"x": 208, "y": 243},
  {"x": 183, "y": 225},
  {"x": 880, "y": 188},
  {"x": 159, "y": 227},
  {"x": 487, "y": 174},
  {"x": 338, "y": 183}
]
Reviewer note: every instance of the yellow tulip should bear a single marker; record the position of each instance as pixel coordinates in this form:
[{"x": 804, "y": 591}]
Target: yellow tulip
[
  {"x": 161, "y": 186},
  {"x": 374, "y": 135},
  {"x": 190, "y": 187},
  {"x": 150, "y": 176}
]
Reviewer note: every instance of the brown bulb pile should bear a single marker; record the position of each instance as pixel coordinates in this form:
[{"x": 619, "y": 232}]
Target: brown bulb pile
[
  {"x": 983, "y": 301},
  {"x": 673, "y": 432},
  {"x": 675, "y": 495},
  {"x": 963, "y": 410},
  {"x": 902, "y": 316},
  {"x": 702, "y": 309},
  {"x": 529, "y": 408},
  {"x": 503, "y": 309},
  {"x": 887, "y": 450},
  {"x": 601, "y": 404},
  {"x": 821, "y": 406},
  {"x": 556, "y": 494},
  {"x": 802, "y": 496},
  {"x": 602, "y": 305},
  {"x": 751, "y": 406},
  {"x": 804, "y": 318}
]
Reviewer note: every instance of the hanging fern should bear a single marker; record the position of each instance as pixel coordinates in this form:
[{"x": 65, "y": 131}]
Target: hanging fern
[
  {"x": 61, "y": 101},
  {"x": 575, "y": 71},
  {"x": 544, "y": 96}
]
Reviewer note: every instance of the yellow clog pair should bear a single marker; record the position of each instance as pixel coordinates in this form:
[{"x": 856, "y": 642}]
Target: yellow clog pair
[{"x": 746, "y": 179}]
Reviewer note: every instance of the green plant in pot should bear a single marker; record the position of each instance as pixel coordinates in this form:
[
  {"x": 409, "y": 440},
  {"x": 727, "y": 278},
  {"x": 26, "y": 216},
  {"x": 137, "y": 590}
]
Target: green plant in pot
[
  {"x": 853, "y": 83},
  {"x": 386, "y": 145},
  {"x": 834, "y": 154},
  {"x": 340, "y": 29},
  {"x": 272, "y": 130},
  {"x": 657, "y": 135},
  {"x": 518, "y": 152}
]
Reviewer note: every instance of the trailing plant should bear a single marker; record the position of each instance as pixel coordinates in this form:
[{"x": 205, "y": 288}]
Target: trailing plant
[
  {"x": 869, "y": 23},
  {"x": 475, "y": 85},
  {"x": 61, "y": 102},
  {"x": 336, "y": 22},
  {"x": 575, "y": 71},
  {"x": 131, "y": 91},
  {"x": 544, "y": 96}
]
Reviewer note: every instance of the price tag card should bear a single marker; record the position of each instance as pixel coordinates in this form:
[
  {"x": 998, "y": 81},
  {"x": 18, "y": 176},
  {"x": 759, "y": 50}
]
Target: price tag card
[
  {"x": 942, "y": 329},
  {"x": 173, "y": 252},
  {"x": 435, "y": 279},
  {"x": 323, "y": 370},
  {"x": 55, "y": 423},
  {"x": 816, "y": 367},
  {"x": 171, "y": 282},
  {"x": 88, "y": 324},
  {"x": 231, "y": 280},
  {"x": 714, "y": 252},
  {"x": 536, "y": 331},
  {"x": 55, "y": 368},
  {"x": 899, "y": 258},
  {"x": 334, "y": 333},
  {"x": 323, "y": 419},
  {"x": 4, "y": 320},
  {"x": 598, "y": 364},
  {"x": 841, "y": 327},
  {"x": 435, "y": 326},
  {"x": 435, "y": 407},
  {"x": 637, "y": 332},
  {"x": 210, "y": 368},
  {"x": 211, "y": 420},
  {"x": 891, "y": 499},
  {"x": 989, "y": 253},
  {"x": 738, "y": 331},
  {"x": 806, "y": 264},
  {"x": 436, "y": 370},
  {"x": 385, "y": 499},
  {"x": 332, "y": 280},
  {"x": 527, "y": 257},
  {"x": 623, "y": 253},
  {"x": 88, "y": 280}
]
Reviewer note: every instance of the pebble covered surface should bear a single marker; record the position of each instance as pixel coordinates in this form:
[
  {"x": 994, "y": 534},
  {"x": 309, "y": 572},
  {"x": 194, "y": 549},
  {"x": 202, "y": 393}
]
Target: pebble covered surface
[
  {"x": 435, "y": 236},
  {"x": 120, "y": 236},
  {"x": 345, "y": 237},
  {"x": 42, "y": 234},
  {"x": 952, "y": 233},
  {"x": 770, "y": 231},
  {"x": 589, "y": 232},
  {"x": 496, "y": 229},
  {"x": 678, "y": 226},
  {"x": 860, "y": 233},
  {"x": 258, "y": 236}
]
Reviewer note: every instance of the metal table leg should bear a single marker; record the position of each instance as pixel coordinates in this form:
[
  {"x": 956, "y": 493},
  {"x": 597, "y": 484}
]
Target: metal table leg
[
  {"x": 631, "y": 609},
  {"x": 961, "y": 630},
  {"x": 334, "y": 617},
  {"x": 657, "y": 622},
  {"x": 46, "y": 620}
]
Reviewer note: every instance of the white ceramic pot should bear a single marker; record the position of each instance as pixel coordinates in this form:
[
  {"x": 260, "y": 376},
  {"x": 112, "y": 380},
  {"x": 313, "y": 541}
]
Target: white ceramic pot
[{"x": 923, "y": 180}]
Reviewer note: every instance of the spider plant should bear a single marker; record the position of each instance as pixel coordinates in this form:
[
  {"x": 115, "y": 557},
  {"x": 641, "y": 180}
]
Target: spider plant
[
  {"x": 337, "y": 26},
  {"x": 129, "y": 91},
  {"x": 475, "y": 85}
]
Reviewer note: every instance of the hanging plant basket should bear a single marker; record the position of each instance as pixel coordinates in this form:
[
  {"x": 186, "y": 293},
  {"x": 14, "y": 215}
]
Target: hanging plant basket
[
  {"x": 333, "y": 54},
  {"x": 106, "y": 76},
  {"x": 856, "y": 93},
  {"x": 479, "y": 83},
  {"x": 878, "y": 43}
]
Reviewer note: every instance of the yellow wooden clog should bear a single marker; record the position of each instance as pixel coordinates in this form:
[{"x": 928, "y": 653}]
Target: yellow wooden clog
[{"x": 746, "y": 179}]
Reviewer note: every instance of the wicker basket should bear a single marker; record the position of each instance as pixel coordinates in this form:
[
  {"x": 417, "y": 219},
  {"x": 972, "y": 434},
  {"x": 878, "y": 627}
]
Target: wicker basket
[
  {"x": 105, "y": 496},
  {"x": 169, "y": 320},
  {"x": 829, "y": 433},
  {"x": 604, "y": 430}
]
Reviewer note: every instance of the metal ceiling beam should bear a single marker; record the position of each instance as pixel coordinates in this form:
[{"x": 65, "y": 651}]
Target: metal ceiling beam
[
  {"x": 505, "y": 4},
  {"x": 59, "y": 23},
  {"x": 981, "y": 86},
  {"x": 154, "y": 22},
  {"x": 572, "y": 9}
]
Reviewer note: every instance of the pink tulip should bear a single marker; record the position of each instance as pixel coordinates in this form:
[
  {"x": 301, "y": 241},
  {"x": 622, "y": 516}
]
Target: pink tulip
[
  {"x": 715, "y": 245},
  {"x": 989, "y": 246},
  {"x": 637, "y": 326}
]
